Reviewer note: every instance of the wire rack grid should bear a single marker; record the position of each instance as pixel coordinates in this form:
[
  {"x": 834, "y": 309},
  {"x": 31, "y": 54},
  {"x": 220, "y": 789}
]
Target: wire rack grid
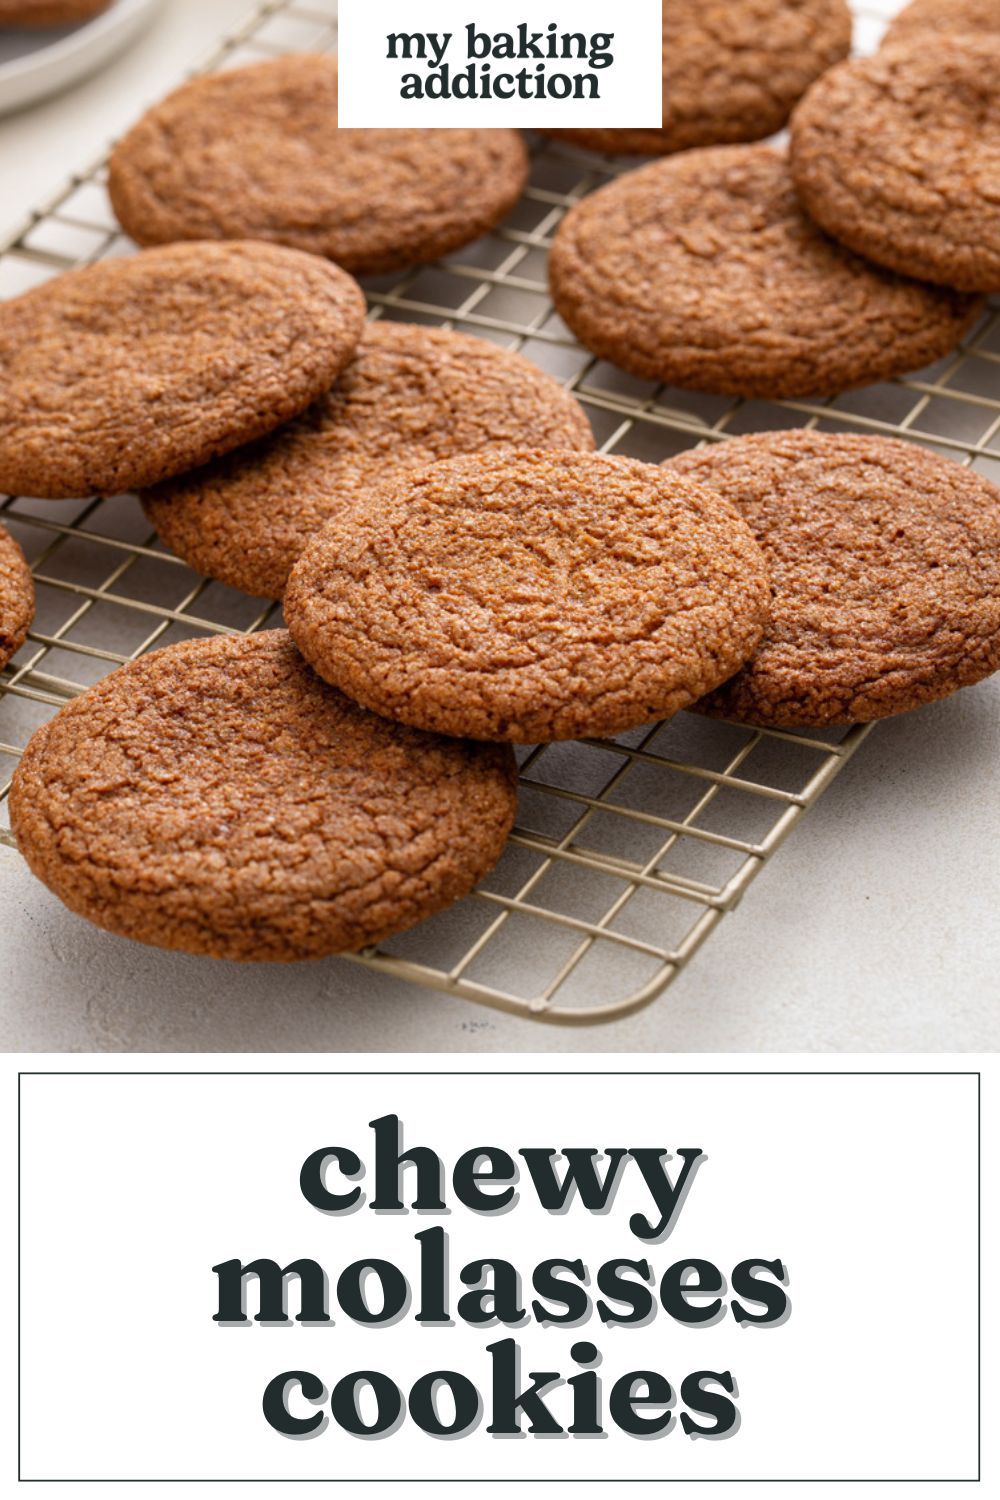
[{"x": 627, "y": 852}]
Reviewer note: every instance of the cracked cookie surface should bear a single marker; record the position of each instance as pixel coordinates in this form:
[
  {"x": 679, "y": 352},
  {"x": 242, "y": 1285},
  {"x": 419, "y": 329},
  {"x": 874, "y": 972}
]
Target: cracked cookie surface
[
  {"x": 885, "y": 561},
  {"x": 411, "y": 395},
  {"x": 134, "y": 369},
  {"x": 703, "y": 271},
  {"x": 898, "y": 157},
  {"x": 17, "y": 597},
  {"x": 217, "y": 797},
  {"x": 255, "y": 153},
  {"x": 531, "y": 596},
  {"x": 732, "y": 71}
]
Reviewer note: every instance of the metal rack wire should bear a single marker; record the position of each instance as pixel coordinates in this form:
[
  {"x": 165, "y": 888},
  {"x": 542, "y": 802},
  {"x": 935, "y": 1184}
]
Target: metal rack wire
[{"x": 627, "y": 852}]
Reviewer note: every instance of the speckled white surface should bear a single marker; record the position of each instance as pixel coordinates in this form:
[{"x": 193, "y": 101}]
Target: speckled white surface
[{"x": 874, "y": 930}]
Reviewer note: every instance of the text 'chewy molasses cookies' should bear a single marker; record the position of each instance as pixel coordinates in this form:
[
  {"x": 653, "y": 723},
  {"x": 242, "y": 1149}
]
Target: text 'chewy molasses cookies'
[
  {"x": 255, "y": 153},
  {"x": 704, "y": 272},
  {"x": 49, "y": 12},
  {"x": 732, "y": 71},
  {"x": 411, "y": 395},
  {"x": 530, "y": 596},
  {"x": 218, "y": 798},
  {"x": 898, "y": 156},
  {"x": 885, "y": 561},
  {"x": 931, "y": 18},
  {"x": 134, "y": 369},
  {"x": 17, "y": 597}
]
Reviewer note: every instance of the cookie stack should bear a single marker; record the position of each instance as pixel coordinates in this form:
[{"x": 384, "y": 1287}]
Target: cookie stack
[{"x": 460, "y": 571}]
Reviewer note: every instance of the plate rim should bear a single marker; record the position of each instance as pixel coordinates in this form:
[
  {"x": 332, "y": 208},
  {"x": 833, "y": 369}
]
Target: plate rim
[{"x": 120, "y": 13}]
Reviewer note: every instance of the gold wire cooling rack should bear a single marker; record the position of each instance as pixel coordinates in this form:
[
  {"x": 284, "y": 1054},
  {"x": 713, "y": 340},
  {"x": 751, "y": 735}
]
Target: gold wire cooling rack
[{"x": 628, "y": 852}]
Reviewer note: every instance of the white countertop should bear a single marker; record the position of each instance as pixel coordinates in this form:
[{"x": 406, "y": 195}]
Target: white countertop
[{"x": 875, "y": 928}]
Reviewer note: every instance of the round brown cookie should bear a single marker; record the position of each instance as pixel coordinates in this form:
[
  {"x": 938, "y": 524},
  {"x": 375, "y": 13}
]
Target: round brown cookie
[
  {"x": 732, "y": 71},
  {"x": 885, "y": 561},
  {"x": 898, "y": 156},
  {"x": 49, "y": 12},
  {"x": 530, "y": 596},
  {"x": 135, "y": 369},
  {"x": 411, "y": 395},
  {"x": 703, "y": 271},
  {"x": 217, "y": 797},
  {"x": 17, "y": 597},
  {"x": 255, "y": 153},
  {"x": 948, "y": 16}
]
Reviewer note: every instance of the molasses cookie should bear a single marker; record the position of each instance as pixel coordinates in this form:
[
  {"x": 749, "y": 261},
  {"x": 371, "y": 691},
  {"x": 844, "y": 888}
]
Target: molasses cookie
[
  {"x": 703, "y": 271},
  {"x": 945, "y": 16},
  {"x": 138, "y": 368},
  {"x": 17, "y": 597},
  {"x": 732, "y": 71},
  {"x": 531, "y": 596},
  {"x": 885, "y": 561},
  {"x": 898, "y": 156},
  {"x": 410, "y": 395},
  {"x": 217, "y": 797},
  {"x": 49, "y": 12},
  {"x": 255, "y": 153}
]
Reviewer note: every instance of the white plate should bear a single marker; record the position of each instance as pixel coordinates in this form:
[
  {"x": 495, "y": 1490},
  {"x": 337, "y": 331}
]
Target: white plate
[{"x": 39, "y": 62}]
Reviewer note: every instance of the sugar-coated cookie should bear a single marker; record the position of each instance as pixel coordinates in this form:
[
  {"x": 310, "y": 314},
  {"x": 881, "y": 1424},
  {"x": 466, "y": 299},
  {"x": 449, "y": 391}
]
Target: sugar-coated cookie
[
  {"x": 217, "y": 797},
  {"x": 898, "y": 156},
  {"x": 531, "y": 596},
  {"x": 135, "y": 369},
  {"x": 946, "y": 17},
  {"x": 49, "y": 12},
  {"x": 255, "y": 153},
  {"x": 703, "y": 271},
  {"x": 885, "y": 561}
]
